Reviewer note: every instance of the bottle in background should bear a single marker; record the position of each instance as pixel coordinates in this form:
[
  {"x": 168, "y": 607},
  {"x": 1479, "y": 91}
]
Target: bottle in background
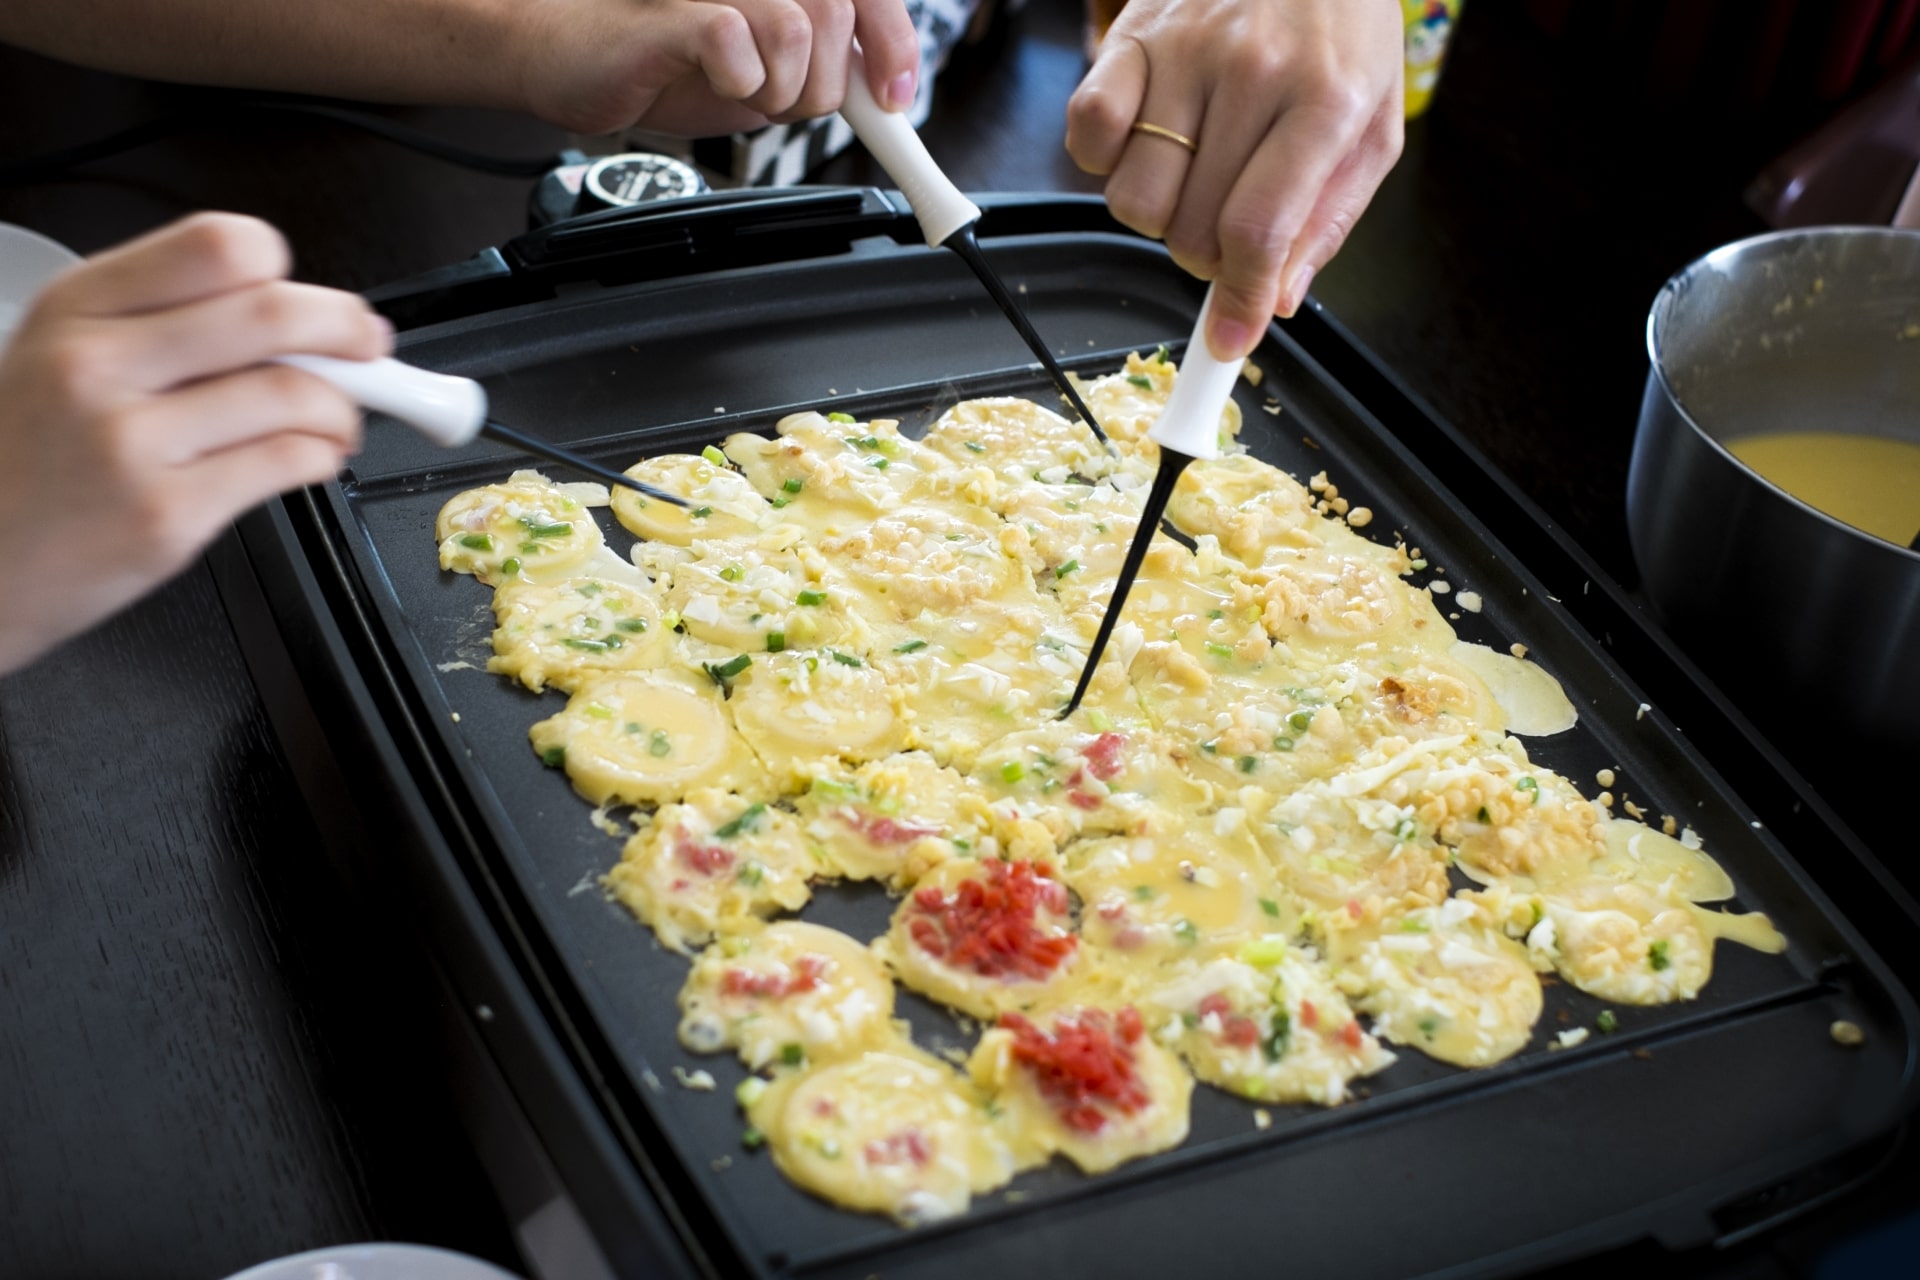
[
  {"x": 1429, "y": 24},
  {"x": 1100, "y": 16}
]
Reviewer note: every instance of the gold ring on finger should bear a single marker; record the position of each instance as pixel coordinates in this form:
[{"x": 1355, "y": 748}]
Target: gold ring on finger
[{"x": 1157, "y": 131}]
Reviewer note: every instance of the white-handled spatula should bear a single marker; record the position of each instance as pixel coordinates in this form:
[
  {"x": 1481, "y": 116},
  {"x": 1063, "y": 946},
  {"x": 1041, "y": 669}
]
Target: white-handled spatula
[{"x": 1188, "y": 428}]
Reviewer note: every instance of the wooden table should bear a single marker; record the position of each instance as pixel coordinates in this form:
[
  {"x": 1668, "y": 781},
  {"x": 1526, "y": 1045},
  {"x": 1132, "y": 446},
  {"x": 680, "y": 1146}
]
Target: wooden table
[{"x": 205, "y": 1058}]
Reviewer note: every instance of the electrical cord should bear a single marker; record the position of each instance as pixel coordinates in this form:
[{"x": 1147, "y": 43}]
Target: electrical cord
[{"x": 217, "y": 115}]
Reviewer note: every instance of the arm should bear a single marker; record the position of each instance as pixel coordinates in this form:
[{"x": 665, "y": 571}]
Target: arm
[
  {"x": 137, "y": 419},
  {"x": 592, "y": 66},
  {"x": 1294, "y": 107}
]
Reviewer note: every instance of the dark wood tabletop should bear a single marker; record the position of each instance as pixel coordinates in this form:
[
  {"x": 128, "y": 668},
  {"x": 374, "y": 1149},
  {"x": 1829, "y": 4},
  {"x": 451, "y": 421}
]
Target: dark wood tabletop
[{"x": 209, "y": 1058}]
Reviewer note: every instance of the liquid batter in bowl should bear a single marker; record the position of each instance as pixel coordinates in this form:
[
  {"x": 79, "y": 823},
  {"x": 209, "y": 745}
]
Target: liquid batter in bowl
[{"x": 1869, "y": 482}]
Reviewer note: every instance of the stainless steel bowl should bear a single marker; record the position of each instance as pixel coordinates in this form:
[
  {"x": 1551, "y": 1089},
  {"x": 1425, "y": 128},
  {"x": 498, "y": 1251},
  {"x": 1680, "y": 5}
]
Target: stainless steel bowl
[{"x": 1811, "y": 625}]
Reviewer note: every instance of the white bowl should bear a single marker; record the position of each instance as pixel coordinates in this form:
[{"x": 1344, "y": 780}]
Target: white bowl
[
  {"x": 376, "y": 1262},
  {"x": 27, "y": 261}
]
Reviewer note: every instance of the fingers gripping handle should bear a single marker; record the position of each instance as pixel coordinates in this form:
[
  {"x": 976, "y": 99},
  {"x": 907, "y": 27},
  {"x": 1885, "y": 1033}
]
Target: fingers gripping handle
[
  {"x": 936, "y": 202},
  {"x": 1190, "y": 423},
  {"x": 445, "y": 409}
]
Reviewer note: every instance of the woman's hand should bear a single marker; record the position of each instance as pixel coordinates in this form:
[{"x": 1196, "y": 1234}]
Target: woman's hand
[
  {"x": 710, "y": 66},
  {"x": 137, "y": 417},
  {"x": 1294, "y": 107}
]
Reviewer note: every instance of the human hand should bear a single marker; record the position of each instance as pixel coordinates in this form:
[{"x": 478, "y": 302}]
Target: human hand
[
  {"x": 1294, "y": 107},
  {"x": 702, "y": 67},
  {"x": 137, "y": 417}
]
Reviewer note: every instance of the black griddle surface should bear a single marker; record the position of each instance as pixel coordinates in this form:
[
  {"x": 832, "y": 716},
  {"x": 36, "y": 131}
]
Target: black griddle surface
[{"x": 1734, "y": 1083}]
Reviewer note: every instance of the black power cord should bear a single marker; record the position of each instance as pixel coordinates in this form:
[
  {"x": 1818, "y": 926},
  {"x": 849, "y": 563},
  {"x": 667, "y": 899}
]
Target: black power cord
[{"x": 218, "y": 115}]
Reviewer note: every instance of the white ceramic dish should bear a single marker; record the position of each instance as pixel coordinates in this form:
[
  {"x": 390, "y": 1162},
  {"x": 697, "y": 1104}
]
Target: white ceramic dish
[
  {"x": 27, "y": 261},
  {"x": 376, "y": 1262}
]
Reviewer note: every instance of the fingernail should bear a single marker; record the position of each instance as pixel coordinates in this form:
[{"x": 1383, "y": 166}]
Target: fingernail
[
  {"x": 900, "y": 92},
  {"x": 1229, "y": 339},
  {"x": 1297, "y": 290},
  {"x": 384, "y": 327}
]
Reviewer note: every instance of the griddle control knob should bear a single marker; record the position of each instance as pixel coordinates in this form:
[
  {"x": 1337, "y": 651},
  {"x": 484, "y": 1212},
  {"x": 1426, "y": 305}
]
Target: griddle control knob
[{"x": 620, "y": 181}]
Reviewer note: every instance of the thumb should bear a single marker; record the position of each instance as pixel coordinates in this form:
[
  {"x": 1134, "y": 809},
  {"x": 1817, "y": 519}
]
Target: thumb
[{"x": 1242, "y": 306}]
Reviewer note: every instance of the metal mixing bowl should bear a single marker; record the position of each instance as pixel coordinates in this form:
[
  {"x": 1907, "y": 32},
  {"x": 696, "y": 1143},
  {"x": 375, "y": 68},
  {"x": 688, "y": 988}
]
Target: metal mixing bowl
[{"x": 1811, "y": 625}]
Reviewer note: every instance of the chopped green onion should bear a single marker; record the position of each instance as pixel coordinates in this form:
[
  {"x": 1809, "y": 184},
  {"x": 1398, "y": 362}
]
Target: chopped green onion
[
  {"x": 778, "y": 503},
  {"x": 792, "y": 1054},
  {"x": 599, "y": 711},
  {"x": 1248, "y": 763},
  {"x": 712, "y": 454},
  {"x": 1276, "y": 1045},
  {"x": 792, "y": 486},
  {"x": 553, "y": 757},
  {"x": 1065, "y": 569},
  {"x": 721, "y": 672},
  {"x": 510, "y": 566},
  {"x": 560, "y": 529},
  {"x": 1263, "y": 953},
  {"x": 1012, "y": 771},
  {"x": 1607, "y": 1023},
  {"x": 963, "y": 844},
  {"x": 1269, "y": 906},
  {"x": 749, "y": 820},
  {"x": 776, "y": 641},
  {"x": 809, "y": 596},
  {"x": 1216, "y": 613},
  {"x": 1429, "y": 1025},
  {"x": 911, "y": 646},
  {"x": 975, "y": 446},
  {"x": 588, "y": 589},
  {"x": 1483, "y": 815},
  {"x": 830, "y": 789},
  {"x": 1300, "y": 721},
  {"x": 1219, "y": 650},
  {"x": 1530, "y": 786},
  {"x": 476, "y": 541},
  {"x": 839, "y": 417},
  {"x": 748, "y": 1091},
  {"x": 1404, "y": 829},
  {"x": 632, "y": 626},
  {"x": 1282, "y": 742},
  {"x": 531, "y": 548},
  {"x": 659, "y": 744},
  {"x": 584, "y": 646},
  {"x": 732, "y": 573},
  {"x": 633, "y": 726},
  {"x": 1141, "y": 380},
  {"x": 751, "y": 875},
  {"x": 701, "y": 513},
  {"x": 1144, "y": 892},
  {"x": 752, "y": 1139},
  {"x": 1186, "y": 931},
  {"x": 1657, "y": 958},
  {"x": 845, "y": 659},
  {"x": 1189, "y": 1019},
  {"x": 1160, "y": 353}
]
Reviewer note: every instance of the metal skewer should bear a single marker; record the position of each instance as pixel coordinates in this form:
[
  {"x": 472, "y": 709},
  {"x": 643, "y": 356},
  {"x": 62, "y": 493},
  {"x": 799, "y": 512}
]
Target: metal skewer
[
  {"x": 947, "y": 217},
  {"x": 1188, "y": 428},
  {"x": 449, "y": 411}
]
